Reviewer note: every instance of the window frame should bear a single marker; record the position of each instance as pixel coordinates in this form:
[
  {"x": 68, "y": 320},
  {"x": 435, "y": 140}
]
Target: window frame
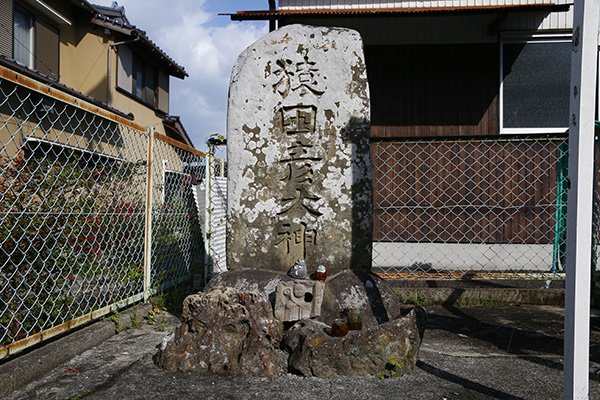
[
  {"x": 31, "y": 49},
  {"x": 139, "y": 68},
  {"x": 137, "y": 71},
  {"x": 155, "y": 97},
  {"x": 558, "y": 37}
]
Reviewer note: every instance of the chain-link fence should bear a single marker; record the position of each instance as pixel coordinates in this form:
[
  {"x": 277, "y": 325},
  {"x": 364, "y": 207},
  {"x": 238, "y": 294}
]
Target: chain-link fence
[
  {"x": 482, "y": 208},
  {"x": 76, "y": 241},
  {"x": 177, "y": 248}
]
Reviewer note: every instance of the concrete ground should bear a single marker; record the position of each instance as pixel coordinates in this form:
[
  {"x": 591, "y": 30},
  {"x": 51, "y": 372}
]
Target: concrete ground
[{"x": 496, "y": 352}]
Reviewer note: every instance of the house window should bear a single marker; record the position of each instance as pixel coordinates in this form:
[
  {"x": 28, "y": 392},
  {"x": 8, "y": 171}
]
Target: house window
[
  {"x": 535, "y": 82},
  {"x": 136, "y": 77},
  {"x": 35, "y": 42},
  {"x": 143, "y": 81},
  {"x": 23, "y": 38}
]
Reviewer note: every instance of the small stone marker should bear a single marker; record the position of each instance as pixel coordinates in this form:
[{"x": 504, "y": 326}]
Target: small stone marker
[
  {"x": 296, "y": 300},
  {"x": 299, "y": 179}
]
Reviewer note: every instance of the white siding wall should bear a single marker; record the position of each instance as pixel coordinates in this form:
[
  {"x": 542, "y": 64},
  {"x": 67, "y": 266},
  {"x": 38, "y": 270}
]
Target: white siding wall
[
  {"x": 517, "y": 21},
  {"x": 363, "y": 4},
  {"x": 219, "y": 224},
  {"x": 531, "y": 21}
]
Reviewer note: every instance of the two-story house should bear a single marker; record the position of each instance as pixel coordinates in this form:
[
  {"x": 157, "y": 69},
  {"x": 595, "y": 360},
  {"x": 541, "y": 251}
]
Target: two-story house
[{"x": 94, "y": 53}]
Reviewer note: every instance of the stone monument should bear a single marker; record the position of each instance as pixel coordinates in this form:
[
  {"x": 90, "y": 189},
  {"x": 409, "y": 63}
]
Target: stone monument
[
  {"x": 299, "y": 179},
  {"x": 299, "y": 193}
]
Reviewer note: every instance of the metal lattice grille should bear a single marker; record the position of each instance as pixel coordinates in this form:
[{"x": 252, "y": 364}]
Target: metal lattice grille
[
  {"x": 448, "y": 208},
  {"x": 74, "y": 196}
]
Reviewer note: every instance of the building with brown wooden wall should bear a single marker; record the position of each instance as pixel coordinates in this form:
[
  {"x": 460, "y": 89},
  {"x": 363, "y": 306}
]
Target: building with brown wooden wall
[
  {"x": 450, "y": 71},
  {"x": 453, "y": 68}
]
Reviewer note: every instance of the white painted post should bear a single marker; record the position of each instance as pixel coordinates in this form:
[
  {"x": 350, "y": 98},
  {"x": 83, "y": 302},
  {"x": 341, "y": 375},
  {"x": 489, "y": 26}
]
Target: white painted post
[{"x": 579, "y": 217}]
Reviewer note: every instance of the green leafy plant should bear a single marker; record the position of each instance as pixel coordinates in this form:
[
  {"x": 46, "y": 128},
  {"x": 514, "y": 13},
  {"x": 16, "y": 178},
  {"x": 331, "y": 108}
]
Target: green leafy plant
[
  {"x": 158, "y": 318},
  {"x": 418, "y": 299},
  {"x": 114, "y": 318},
  {"x": 216, "y": 139},
  {"x": 151, "y": 317},
  {"x": 134, "y": 320}
]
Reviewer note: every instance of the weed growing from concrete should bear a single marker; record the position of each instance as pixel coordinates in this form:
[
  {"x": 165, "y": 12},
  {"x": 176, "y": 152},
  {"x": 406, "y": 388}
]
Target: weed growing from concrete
[
  {"x": 134, "y": 320},
  {"x": 418, "y": 299},
  {"x": 114, "y": 318}
]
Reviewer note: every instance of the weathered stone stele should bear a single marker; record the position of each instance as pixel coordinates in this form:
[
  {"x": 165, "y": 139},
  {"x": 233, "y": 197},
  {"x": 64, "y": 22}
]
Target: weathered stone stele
[{"x": 299, "y": 180}]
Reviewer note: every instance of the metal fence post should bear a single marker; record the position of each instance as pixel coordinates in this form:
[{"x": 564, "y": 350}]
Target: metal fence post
[{"x": 148, "y": 225}]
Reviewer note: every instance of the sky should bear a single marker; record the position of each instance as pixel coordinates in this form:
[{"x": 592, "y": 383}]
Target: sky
[{"x": 206, "y": 45}]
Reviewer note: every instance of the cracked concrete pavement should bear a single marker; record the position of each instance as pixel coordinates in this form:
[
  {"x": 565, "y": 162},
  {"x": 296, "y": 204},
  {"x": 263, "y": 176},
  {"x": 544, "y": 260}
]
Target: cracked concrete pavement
[{"x": 499, "y": 352}]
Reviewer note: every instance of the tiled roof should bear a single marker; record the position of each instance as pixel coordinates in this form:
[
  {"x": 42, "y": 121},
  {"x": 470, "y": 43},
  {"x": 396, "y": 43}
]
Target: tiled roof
[
  {"x": 114, "y": 18},
  {"x": 173, "y": 122},
  {"x": 115, "y": 13}
]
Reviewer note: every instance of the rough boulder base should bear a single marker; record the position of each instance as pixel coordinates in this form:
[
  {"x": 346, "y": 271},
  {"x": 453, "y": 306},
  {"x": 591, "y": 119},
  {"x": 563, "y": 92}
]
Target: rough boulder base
[
  {"x": 263, "y": 281},
  {"x": 388, "y": 350},
  {"x": 299, "y": 179},
  {"x": 226, "y": 332},
  {"x": 366, "y": 293},
  {"x": 370, "y": 296}
]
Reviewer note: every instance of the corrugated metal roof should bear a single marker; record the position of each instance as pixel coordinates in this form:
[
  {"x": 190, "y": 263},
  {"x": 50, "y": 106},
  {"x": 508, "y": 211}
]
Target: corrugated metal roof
[{"x": 366, "y": 12}]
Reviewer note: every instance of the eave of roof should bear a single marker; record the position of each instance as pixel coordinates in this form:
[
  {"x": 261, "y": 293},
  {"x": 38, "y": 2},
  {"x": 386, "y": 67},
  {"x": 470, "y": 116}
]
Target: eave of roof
[
  {"x": 45, "y": 79},
  {"x": 374, "y": 12},
  {"x": 173, "y": 122},
  {"x": 86, "y": 5},
  {"x": 109, "y": 18}
]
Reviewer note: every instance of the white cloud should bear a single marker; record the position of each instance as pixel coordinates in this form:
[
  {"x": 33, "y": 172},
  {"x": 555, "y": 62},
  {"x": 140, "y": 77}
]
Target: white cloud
[{"x": 206, "y": 44}]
